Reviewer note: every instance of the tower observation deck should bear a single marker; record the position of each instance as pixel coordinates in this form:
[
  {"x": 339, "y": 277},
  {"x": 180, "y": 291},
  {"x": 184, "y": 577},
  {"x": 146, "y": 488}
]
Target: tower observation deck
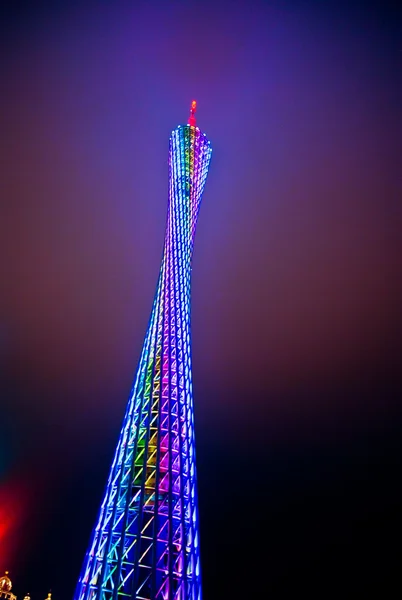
[{"x": 145, "y": 544}]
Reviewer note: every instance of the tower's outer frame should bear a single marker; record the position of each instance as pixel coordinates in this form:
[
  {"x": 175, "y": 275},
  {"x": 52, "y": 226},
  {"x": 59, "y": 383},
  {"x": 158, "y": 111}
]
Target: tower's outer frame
[{"x": 145, "y": 545}]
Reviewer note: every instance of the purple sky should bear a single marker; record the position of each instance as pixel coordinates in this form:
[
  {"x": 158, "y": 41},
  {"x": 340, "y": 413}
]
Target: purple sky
[{"x": 297, "y": 253}]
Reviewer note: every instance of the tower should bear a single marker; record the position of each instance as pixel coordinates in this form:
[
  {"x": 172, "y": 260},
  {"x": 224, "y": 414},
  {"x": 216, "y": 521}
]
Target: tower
[{"x": 145, "y": 544}]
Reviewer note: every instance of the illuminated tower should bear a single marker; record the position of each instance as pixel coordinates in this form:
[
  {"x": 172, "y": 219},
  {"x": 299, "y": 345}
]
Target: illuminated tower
[{"x": 145, "y": 545}]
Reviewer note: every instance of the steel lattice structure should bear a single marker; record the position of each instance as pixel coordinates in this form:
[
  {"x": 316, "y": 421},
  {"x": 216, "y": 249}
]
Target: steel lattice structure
[{"x": 145, "y": 545}]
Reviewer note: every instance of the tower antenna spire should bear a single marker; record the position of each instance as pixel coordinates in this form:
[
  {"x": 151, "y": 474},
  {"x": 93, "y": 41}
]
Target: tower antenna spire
[{"x": 191, "y": 119}]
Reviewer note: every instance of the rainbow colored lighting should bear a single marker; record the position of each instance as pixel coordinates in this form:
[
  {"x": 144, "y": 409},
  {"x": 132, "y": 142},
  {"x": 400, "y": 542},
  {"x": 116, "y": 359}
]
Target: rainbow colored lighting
[{"x": 145, "y": 545}]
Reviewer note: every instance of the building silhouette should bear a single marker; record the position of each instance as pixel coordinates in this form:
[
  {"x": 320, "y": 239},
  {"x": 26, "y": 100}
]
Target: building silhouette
[{"x": 6, "y": 587}]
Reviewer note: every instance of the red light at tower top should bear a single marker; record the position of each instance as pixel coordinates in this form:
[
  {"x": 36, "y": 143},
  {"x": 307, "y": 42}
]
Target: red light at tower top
[{"x": 191, "y": 119}]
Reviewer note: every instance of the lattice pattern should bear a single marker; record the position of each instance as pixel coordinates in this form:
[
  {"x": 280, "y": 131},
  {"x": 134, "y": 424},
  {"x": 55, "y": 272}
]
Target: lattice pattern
[{"x": 145, "y": 545}]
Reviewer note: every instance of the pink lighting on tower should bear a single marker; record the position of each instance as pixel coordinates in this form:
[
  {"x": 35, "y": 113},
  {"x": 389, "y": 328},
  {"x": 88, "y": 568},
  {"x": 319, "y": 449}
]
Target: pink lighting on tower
[{"x": 191, "y": 119}]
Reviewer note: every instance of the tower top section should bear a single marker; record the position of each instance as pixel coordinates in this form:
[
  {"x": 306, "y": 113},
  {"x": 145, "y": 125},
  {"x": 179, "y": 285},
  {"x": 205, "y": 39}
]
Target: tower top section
[{"x": 191, "y": 119}]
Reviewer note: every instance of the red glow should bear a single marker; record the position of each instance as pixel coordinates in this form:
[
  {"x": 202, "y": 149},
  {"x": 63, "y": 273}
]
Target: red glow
[
  {"x": 12, "y": 515},
  {"x": 191, "y": 120}
]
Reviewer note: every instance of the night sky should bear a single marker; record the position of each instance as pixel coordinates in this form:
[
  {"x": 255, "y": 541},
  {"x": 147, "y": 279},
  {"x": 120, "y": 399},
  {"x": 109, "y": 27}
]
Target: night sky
[{"x": 296, "y": 280}]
